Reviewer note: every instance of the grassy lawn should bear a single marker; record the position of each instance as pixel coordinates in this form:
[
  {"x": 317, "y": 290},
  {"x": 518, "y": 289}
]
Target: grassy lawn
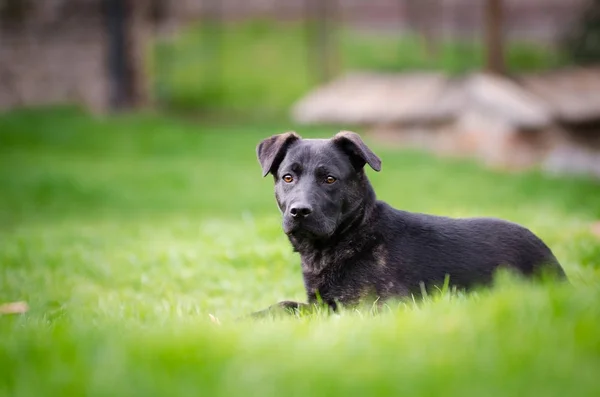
[
  {"x": 124, "y": 234},
  {"x": 261, "y": 66}
]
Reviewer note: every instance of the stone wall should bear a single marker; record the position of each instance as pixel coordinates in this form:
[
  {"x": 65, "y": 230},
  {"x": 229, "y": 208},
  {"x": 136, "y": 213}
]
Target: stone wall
[
  {"x": 55, "y": 52},
  {"x": 63, "y": 66}
]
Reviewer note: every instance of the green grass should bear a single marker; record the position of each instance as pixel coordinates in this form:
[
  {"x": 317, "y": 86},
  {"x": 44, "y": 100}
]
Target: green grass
[
  {"x": 124, "y": 234},
  {"x": 261, "y": 66}
]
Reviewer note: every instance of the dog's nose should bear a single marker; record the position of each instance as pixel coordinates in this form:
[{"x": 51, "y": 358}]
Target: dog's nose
[{"x": 300, "y": 211}]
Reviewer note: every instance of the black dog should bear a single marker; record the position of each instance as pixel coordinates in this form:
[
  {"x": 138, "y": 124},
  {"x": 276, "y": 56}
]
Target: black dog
[{"x": 353, "y": 246}]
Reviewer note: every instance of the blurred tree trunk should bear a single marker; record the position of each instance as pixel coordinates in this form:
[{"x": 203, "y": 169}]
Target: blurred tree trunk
[
  {"x": 116, "y": 20},
  {"x": 494, "y": 37},
  {"x": 421, "y": 16},
  {"x": 320, "y": 21},
  {"x": 128, "y": 31}
]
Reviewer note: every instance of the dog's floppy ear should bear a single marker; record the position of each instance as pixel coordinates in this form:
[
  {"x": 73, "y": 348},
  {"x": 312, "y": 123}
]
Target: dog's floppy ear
[
  {"x": 270, "y": 151},
  {"x": 359, "y": 153}
]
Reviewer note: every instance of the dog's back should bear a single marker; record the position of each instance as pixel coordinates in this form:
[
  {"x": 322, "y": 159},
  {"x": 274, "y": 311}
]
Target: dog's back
[{"x": 469, "y": 250}]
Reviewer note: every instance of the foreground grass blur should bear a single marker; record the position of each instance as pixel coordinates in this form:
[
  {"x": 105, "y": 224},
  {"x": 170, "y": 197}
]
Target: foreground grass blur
[{"x": 124, "y": 234}]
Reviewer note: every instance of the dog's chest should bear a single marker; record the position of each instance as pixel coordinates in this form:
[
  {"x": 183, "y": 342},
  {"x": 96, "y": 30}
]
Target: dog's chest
[{"x": 339, "y": 278}]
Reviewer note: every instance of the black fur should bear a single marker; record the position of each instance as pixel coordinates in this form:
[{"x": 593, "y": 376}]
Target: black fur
[{"x": 353, "y": 246}]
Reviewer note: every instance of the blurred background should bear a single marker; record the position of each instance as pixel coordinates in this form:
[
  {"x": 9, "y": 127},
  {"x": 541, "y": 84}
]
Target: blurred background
[
  {"x": 131, "y": 200},
  {"x": 511, "y": 82}
]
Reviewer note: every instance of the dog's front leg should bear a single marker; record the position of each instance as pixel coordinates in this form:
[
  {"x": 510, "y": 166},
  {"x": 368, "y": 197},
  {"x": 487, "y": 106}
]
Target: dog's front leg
[{"x": 283, "y": 308}]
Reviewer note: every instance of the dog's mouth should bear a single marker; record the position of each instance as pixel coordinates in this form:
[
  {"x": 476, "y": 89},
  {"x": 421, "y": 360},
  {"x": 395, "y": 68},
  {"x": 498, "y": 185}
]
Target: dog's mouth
[
  {"x": 304, "y": 229},
  {"x": 292, "y": 227}
]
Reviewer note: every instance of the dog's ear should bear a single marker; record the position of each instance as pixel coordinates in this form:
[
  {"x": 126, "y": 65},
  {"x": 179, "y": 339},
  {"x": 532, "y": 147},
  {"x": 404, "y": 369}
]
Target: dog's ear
[
  {"x": 359, "y": 153},
  {"x": 271, "y": 151}
]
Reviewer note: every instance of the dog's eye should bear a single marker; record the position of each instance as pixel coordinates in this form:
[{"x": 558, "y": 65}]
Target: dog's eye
[
  {"x": 287, "y": 178},
  {"x": 330, "y": 179}
]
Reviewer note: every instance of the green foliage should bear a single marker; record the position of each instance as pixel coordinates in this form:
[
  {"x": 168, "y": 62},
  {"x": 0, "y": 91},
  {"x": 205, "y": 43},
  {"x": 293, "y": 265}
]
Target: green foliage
[
  {"x": 582, "y": 43},
  {"x": 124, "y": 234},
  {"x": 264, "y": 67}
]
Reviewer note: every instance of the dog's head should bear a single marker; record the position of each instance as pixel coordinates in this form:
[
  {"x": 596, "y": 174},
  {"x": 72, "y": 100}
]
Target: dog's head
[{"x": 319, "y": 183}]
